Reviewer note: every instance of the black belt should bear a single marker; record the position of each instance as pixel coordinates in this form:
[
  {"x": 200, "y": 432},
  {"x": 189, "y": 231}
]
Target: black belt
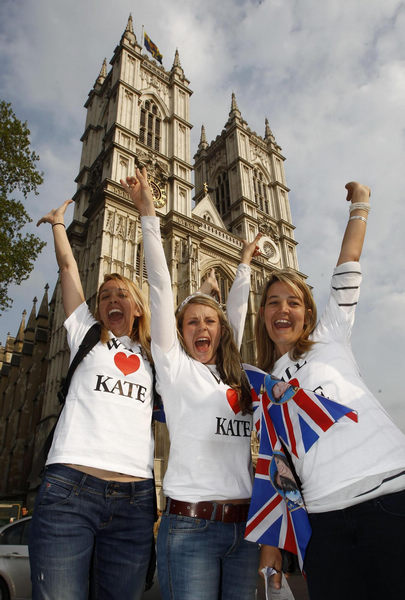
[{"x": 212, "y": 511}]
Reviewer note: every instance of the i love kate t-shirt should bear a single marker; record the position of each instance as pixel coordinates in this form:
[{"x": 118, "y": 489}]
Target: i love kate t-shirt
[{"x": 106, "y": 421}]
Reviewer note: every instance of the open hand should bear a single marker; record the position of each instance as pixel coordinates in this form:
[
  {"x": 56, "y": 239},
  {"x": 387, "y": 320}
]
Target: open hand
[{"x": 56, "y": 215}]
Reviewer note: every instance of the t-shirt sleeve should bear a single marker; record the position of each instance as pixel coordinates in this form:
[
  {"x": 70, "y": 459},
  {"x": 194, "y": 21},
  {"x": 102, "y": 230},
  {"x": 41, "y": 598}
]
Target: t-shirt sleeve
[
  {"x": 338, "y": 317},
  {"x": 237, "y": 302},
  {"x": 163, "y": 324},
  {"x": 77, "y": 325}
]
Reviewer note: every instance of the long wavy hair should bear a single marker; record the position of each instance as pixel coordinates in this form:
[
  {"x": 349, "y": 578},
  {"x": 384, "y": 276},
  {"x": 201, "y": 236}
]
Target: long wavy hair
[
  {"x": 267, "y": 353},
  {"x": 141, "y": 326},
  {"x": 227, "y": 360}
]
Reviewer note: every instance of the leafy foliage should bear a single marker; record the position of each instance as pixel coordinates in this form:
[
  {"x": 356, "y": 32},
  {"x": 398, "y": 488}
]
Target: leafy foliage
[{"x": 18, "y": 172}]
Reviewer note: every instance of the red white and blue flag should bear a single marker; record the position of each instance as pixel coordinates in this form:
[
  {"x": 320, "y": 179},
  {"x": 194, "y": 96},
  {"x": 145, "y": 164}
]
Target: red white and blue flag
[
  {"x": 152, "y": 48},
  {"x": 299, "y": 416},
  {"x": 284, "y": 412}
]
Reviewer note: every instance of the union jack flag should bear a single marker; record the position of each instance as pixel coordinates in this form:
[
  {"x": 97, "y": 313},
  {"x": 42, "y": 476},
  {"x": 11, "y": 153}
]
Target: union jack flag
[
  {"x": 284, "y": 412},
  {"x": 299, "y": 416},
  {"x": 277, "y": 514}
]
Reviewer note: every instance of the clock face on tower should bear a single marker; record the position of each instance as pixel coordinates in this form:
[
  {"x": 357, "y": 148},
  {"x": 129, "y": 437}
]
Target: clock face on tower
[
  {"x": 158, "y": 193},
  {"x": 269, "y": 249}
]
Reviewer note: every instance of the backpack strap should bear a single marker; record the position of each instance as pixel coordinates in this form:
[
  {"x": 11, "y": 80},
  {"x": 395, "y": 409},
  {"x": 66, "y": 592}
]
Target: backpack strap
[{"x": 89, "y": 341}]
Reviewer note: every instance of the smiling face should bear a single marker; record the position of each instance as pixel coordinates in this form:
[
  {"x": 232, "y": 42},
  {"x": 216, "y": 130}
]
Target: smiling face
[
  {"x": 284, "y": 315},
  {"x": 117, "y": 308},
  {"x": 201, "y": 330}
]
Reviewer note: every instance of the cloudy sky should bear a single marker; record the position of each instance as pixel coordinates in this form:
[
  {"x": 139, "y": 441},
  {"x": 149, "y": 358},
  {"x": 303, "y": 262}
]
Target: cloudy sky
[{"x": 330, "y": 77}]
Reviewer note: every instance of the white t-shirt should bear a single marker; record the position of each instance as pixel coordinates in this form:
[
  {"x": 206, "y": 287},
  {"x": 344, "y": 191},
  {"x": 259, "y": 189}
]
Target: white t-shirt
[
  {"x": 106, "y": 420},
  {"x": 351, "y": 462},
  {"x": 209, "y": 441}
]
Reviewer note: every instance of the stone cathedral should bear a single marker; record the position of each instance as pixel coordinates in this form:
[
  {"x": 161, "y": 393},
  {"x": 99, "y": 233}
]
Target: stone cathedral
[{"x": 138, "y": 114}]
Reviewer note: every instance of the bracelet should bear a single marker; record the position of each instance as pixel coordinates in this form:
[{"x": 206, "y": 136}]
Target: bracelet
[
  {"x": 54, "y": 225},
  {"x": 360, "y": 205},
  {"x": 355, "y": 217}
]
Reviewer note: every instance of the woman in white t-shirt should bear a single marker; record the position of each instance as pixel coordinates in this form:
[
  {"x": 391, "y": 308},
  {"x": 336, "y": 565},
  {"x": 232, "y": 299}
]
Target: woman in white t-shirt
[
  {"x": 202, "y": 553},
  {"x": 92, "y": 528},
  {"x": 353, "y": 477}
]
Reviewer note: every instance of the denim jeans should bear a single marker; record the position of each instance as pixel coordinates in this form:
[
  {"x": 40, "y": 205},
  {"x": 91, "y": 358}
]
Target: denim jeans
[
  {"x": 358, "y": 553},
  {"x": 90, "y": 537},
  {"x": 200, "y": 559}
]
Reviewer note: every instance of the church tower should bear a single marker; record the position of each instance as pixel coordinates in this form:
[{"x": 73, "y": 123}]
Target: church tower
[
  {"x": 240, "y": 175},
  {"x": 137, "y": 114}
]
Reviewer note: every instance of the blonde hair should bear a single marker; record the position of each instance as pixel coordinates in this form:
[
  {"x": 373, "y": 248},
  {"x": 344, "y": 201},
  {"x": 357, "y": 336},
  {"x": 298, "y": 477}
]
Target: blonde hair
[
  {"x": 141, "y": 327},
  {"x": 267, "y": 353},
  {"x": 227, "y": 360}
]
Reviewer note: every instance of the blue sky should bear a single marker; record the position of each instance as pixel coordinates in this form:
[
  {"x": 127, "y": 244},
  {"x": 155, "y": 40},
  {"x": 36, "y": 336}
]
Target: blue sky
[{"x": 329, "y": 76}]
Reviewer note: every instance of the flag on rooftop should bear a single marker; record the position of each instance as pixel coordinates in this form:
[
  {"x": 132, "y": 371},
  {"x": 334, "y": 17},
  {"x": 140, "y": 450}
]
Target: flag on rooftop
[{"x": 152, "y": 48}]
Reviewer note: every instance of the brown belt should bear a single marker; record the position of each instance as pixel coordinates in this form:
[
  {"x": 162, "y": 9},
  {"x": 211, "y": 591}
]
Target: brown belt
[{"x": 212, "y": 511}]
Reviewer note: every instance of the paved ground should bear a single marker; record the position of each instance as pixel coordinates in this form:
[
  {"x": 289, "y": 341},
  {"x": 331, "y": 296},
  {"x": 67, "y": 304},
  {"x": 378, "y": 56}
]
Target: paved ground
[{"x": 295, "y": 581}]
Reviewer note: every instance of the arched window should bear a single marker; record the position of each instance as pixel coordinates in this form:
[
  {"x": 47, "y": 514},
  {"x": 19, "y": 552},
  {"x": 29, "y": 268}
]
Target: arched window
[
  {"x": 140, "y": 266},
  {"x": 150, "y": 126},
  {"x": 260, "y": 191},
  {"x": 222, "y": 194}
]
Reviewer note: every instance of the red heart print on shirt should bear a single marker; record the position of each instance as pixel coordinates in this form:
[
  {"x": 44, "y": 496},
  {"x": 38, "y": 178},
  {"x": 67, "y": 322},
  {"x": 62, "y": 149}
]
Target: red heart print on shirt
[
  {"x": 127, "y": 364},
  {"x": 233, "y": 400}
]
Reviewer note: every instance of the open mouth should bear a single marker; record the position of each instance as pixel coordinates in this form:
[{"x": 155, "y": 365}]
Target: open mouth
[
  {"x": 282, "y": 324},
  {"x": 202, "y": 344},
  {"x": 115, "y": 315}
]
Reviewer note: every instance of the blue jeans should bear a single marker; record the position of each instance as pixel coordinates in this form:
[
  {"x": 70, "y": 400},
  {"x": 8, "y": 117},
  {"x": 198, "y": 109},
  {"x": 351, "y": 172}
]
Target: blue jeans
[
  {"x": 358, "y": 553},
  {"x": 200, "y": 559},
  {"x": 90, "y": 537}
]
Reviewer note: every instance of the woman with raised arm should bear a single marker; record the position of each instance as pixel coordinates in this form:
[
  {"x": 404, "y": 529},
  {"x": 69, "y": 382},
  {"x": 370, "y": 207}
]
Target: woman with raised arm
[
  {"x": 202, "y": 553},
  {"x": 92, "y": 528},
  {"x": 353, "y": 477}
]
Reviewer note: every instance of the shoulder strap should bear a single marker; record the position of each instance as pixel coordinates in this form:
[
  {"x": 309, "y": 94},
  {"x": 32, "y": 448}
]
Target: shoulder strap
[{"x": 89, "y": 341}]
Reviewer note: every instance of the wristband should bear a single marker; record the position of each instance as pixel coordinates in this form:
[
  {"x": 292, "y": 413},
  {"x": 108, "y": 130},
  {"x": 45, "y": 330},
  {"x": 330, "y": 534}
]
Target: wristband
[
  {"x": 358, "y": 217},
  {"x": 360, "y": 205},
  {"x": 54, "y": 225}
]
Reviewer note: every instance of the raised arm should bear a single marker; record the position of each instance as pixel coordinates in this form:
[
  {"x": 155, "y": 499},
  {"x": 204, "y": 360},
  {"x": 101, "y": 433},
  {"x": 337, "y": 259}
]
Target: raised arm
[
  {"x": 163, "y": 324},
  {"x": 353, "y": 239},
  {"x": 238, "y": 296},
  {"x": 72, "y": 290}
]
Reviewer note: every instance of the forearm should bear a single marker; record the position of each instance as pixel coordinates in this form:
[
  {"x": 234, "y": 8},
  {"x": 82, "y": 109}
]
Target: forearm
[
  {"x": 163, "y": 327},
  {"x": 63, "y": 249},
  {"x": 237, "y": 301},
  {"x": 353, "y": 239},
  {"x": 72, "y": 291}
]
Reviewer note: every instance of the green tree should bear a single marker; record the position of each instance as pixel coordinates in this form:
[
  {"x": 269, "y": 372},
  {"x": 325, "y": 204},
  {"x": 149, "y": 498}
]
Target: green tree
[{"x": 18, "y": 172}]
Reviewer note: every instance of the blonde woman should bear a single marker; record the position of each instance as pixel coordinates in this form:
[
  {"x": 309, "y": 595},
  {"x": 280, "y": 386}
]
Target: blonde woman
[
  {"x": 202, "y": 553},
  {"x": 92, "y": 529}
]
